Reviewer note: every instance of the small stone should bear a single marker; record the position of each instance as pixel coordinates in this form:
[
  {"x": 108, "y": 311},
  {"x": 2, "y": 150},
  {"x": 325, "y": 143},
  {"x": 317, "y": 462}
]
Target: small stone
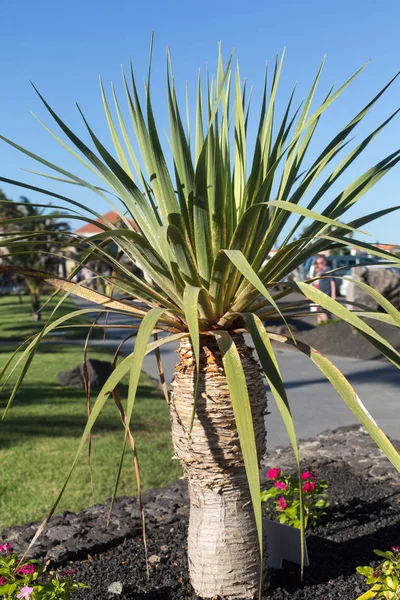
[
  {"x": 58, "y": 553},
  {"x": 115, "y": 587},
  {"x": 164, "y": 548},
  {"x": 98, "y": 372},
  {"x": 380, "y": 472},
  {"x": 59, "y": 533},
  {"x": 183, "y": 511},
  {"x": 154, "y": 559}
]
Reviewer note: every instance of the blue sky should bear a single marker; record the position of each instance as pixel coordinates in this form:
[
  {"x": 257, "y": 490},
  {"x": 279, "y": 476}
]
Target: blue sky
[{"x": 63, "y": 47}]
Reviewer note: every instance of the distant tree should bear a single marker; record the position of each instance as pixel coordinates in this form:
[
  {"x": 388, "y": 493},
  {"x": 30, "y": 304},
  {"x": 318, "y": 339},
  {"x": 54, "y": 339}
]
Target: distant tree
[
  {"x": 340, "y": 251},
  {"x": 44, "y": 238},
  {"x": 8, "y": 210}
]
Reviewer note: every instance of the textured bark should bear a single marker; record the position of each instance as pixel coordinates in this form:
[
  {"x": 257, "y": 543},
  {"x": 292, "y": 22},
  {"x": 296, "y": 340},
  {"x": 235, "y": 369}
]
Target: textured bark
[
  {"x": 223, "y": 547},
  {"x": 36, "y": 314}
]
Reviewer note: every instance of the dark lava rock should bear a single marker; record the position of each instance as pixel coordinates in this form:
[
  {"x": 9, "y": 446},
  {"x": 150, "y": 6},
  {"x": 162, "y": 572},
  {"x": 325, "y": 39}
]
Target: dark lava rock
[
  {"x": 98, "y": 372},
  {"x": 349, "y": 445},
  {"x": 384, "y": 281},
  {"x": 338, "y": 338},
  {"x": 363, "y": 515},
  {"x": 71, "y": 536}
]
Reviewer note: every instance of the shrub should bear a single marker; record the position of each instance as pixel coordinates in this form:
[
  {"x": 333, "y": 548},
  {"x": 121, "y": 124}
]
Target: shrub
[
  {"x": 29, "y": 580},
  {"x": 385, "y": 579},
  {"x": 284, "y": 497}
]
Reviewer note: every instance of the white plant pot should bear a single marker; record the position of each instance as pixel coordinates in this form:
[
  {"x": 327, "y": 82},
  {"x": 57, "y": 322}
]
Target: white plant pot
[{"x": 283, "y": 543}]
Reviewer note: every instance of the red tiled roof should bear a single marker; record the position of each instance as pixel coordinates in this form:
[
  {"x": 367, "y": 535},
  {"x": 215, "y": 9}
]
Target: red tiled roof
[
  {"x": 111, "y": 216},
  {"x": 388, "y": 247}
]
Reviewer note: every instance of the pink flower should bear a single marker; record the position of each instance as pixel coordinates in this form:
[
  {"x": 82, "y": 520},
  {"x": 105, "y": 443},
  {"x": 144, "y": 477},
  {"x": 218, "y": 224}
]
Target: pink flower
[
  {"x": 25, "y": 592},
  {"x": 282, "y": 503},
  {"x": 396, "y": 548},
  {"x": 68, "y": 572},
  {"x": 308, "y": 475},
  {"x": 309, "y": 486},
  {"x": 26, "y": 570},
  {"x": 2, "y": 580},
  {"x": 375, "y": 574},
  {"x": 280, "y": 485},
  {"x": 6, "y": 548},
  {"x": 273, "y": 473}
]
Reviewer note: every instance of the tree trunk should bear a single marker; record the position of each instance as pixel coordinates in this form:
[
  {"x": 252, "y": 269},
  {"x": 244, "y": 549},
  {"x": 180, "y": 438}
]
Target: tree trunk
[
  {"x": 223, "y": 549},
  {"x": 36, "y": 314}
]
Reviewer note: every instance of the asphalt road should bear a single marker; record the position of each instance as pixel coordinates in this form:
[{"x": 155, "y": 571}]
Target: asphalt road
[{"x": 315, "y": 404}]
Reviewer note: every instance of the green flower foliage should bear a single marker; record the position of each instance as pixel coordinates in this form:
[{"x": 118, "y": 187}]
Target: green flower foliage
[
  {"x": 384, "y": 579},
  {"x": 29, "y": 580},
  {"x": 284, "y": 498}
]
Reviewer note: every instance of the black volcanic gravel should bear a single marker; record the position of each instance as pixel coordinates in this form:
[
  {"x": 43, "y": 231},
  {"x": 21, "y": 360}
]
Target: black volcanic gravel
[
  {"x": 340, "y": 339},
  {"x": 364, "y": 515}
]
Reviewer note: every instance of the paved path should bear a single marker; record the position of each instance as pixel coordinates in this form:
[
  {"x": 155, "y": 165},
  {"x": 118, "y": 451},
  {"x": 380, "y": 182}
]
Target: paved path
[{"x": 315, "y": 404}]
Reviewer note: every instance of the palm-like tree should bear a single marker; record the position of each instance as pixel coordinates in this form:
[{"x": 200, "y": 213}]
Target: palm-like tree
[
  {"x": 8, "y": 210},
  {"x": 36, "y": 239},
  {"x": 206, "y": 225}
]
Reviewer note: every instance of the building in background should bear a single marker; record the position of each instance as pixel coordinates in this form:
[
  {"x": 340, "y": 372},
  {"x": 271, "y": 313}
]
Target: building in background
[{"x": 111, "y": 217}]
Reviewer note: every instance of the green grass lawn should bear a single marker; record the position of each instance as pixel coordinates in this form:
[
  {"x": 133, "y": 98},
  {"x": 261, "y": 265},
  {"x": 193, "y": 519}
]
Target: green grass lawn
[
  {"x": 40, "y": 434},
  {"x": 16, "y": 321}
]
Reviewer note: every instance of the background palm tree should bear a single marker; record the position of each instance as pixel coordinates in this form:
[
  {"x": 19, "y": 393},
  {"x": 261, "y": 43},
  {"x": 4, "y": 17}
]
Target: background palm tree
[
  {"x": 205, "y": 231},
  {"x": 37, "y": 239}
]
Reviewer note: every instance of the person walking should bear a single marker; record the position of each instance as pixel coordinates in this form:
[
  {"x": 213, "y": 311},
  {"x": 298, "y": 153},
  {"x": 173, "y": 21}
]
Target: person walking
[{"x": 326, "y": 284}]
